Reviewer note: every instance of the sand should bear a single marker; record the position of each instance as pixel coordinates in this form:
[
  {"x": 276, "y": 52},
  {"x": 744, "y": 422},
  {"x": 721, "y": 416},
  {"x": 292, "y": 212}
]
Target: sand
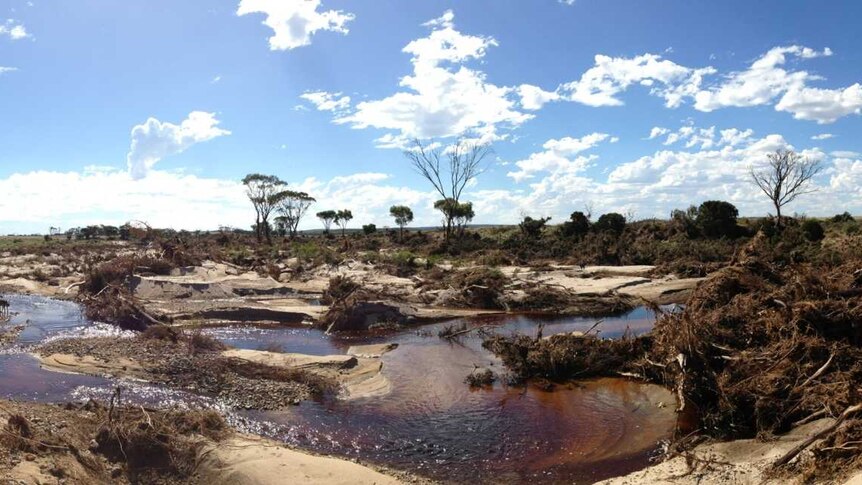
[
  {"x": 251, "y": 460},
  {"x": 733, "y": 462}
]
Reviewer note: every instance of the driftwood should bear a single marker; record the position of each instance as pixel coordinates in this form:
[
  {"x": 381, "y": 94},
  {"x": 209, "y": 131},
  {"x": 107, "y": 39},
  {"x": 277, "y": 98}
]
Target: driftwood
[
  {"x": 4, "y": 311},
  {"x": 816, "y": 436}
]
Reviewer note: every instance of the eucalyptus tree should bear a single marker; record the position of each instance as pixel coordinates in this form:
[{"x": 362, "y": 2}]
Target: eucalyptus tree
[
  {"x": 342, "y": 217},
  {"x": 327, "y": 217},
  {"x": 264, "y": 192},
  {"x": 293, "y": 206},
  {"x": 403, "y": 216}
]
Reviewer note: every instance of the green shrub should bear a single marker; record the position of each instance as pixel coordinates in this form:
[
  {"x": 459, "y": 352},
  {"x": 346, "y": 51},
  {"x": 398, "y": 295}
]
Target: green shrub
[
  {"x": 716, "y": 218},
  {"x": 610, "y": 222},
  {"x": 813, "y": 230}
]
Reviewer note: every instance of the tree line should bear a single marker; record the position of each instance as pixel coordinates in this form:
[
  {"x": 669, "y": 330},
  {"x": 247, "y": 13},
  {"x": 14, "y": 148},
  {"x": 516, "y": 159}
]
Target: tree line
[{"x": 451, "y": 169}]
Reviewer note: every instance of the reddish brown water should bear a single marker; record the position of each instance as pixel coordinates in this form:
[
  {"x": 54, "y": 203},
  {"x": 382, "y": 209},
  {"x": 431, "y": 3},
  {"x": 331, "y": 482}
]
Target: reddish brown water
[{"x": 432, "y": 423}]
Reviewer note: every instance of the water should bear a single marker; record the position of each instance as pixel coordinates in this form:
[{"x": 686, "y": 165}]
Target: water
[{"x": 432, "y": 423}]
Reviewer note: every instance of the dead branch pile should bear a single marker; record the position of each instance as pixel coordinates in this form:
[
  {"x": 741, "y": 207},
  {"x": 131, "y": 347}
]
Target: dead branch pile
[
  {"x": 764, "y": 345},
  {"x": 106, "y": 296}
]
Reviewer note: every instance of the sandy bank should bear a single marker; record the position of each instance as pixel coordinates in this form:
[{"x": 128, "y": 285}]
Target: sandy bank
[
  {"x": 251, "y": 460},
  {"x": 736, "y": 462},
  {"x": 359, "y": 377}
]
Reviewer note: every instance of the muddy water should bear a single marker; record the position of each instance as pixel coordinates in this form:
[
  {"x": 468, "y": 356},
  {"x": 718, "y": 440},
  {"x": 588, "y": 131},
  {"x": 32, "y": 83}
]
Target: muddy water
[
  {"x": 431, "y": 423},
  {"x": 434, "y": 424}
]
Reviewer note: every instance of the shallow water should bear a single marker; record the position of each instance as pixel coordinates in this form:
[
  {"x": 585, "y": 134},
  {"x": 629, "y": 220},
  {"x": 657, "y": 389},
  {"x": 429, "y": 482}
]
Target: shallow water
[{"x": 432, "y": 423}]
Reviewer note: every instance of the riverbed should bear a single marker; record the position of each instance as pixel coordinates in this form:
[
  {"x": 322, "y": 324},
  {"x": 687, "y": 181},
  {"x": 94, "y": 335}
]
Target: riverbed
[{"x": 431, "y": 422}]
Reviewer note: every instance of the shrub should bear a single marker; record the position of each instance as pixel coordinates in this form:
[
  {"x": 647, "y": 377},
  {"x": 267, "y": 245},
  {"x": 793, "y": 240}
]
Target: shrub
[
  {"x": 813, "y": 230},
  {"x": 716, "y": 218},
  {"x": 845, "y": 217},
  {"x": 369, "y": 229},
  {"x": 577, "y": 226},
  {"x": 610, "y": 222},
  {"x": 532, "y": 228}
]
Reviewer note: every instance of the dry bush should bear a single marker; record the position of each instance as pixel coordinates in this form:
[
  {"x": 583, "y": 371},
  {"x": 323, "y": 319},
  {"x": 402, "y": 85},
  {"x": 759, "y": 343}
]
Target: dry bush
[
  {"x": 562, "y": 357},
  {"x": 340, "y": 287},
  {"x": 153, "y": 444},
  {"x": 480, "y": 378}
]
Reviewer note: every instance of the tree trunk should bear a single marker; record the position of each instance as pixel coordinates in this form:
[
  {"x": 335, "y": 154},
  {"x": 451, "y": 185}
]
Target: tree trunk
[
  {"x": 257, "y": 228},
  {"x": 401, "y": 236},
  {"x": 778, "y": 216}
]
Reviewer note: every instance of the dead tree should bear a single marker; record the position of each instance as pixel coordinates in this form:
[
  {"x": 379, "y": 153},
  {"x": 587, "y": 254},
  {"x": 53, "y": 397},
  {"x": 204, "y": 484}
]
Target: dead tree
[
  {"x": 787, "y": 176},
  {"x": 449, "y": 169}
]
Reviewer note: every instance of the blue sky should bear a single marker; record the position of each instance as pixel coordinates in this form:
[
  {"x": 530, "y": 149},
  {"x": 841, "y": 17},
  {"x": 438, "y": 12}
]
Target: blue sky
[{"x": 153, "y": 110}]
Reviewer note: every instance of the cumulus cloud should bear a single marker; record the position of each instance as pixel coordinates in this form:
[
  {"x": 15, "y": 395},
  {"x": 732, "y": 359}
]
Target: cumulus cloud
[
  {"x": 601, "y": 84},
  {"x": 821, "y": 105},
  {"x": 767, "y": 81},
  {"x": 154, "y": 140},
  {"x": 38, "y": 199},
  {"x": 559, "y": 157},
  {"x": 325, "y": 101},
  {"x": 534, "y": 97},
  {"x": 656, "y": 132},
  {"x": 674, "y": 178},
  {"x": 761, "y": 83},
  {"x": 442, "y": 97},
  {"x": 99, "y": 195},
  {"x": 14, "y": 30},
  {"x": 293, "y": 22}
]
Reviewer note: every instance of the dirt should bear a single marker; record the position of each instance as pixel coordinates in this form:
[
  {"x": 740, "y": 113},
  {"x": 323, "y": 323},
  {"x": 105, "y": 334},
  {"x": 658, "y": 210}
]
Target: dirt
[
  {"x": 238, "y": 383},
  {"x": 99, "y": 443}
]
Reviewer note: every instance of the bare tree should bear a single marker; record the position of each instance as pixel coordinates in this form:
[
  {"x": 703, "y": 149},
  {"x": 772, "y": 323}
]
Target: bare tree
[
  {"x": 787, "y": 176},
  {"x": 264, "y": 192},
  {"x": 449, "y": 169},
  {"x": 292, "y": 207}
]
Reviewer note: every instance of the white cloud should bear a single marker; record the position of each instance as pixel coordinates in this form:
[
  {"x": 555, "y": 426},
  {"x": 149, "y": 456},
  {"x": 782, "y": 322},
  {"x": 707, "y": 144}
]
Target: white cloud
[
  {"x": 216, "y": 79},
  {"x": 601, "y": 84},
  {"x": 534, "y": 97},
  {"x": 106, "y": 195},
  {"x": 767, "y": 81},
  {"x": 325, "y": 101},
  {"x": 111, "y": 196},
  {"x": 657, "y": 131},
  {"x": 154, "y": 140},
  {"x": 705, "y": 137},
  {"x": 294, "y": 21},
  {"x": 4, "y": 70},
  {"x": 823, "y": 136},
  {"x": 442, "y": 97},
  {"x": 559, "y": 157},
  {"x": 667, "y": 179},
  {"x": 821, "y": 105},
  {"x": 761, "y": 83},
  {"x": 567, "y": 2},
  {"x": 14, "y": 30}
]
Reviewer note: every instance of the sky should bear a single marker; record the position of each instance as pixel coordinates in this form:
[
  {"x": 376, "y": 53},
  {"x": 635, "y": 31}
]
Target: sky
[{"x": 154, "y": 110}]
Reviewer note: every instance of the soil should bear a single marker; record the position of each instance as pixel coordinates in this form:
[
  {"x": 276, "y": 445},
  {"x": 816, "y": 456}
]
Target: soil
[{"x": 77, "y": 444}]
